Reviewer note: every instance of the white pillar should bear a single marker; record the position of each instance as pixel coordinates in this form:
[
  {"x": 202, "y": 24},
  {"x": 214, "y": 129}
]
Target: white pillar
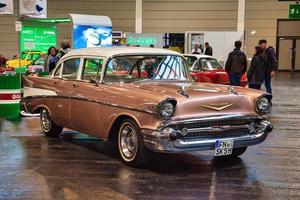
[
  {"x": 241, "y": 16},
  {"x": 138, "y": 16}
]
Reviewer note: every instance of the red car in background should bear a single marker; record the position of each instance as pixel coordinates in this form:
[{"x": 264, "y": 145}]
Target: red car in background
[{"x": 208, "y": 69}]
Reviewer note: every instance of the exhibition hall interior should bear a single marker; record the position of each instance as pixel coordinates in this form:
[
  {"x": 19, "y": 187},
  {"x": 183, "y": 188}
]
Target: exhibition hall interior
[{"x": 149, "y": 99}]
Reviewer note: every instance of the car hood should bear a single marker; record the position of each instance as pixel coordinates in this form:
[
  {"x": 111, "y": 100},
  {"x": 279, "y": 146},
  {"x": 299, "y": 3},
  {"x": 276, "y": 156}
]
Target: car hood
[{"x": 204, "y": 98}]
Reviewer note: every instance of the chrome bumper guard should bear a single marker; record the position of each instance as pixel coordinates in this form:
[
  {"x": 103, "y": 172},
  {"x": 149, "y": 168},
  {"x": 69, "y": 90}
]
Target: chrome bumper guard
[{"x": 170, "y": 140}]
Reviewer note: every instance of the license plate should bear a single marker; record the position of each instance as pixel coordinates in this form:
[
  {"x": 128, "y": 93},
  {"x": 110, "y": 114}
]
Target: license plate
[{"x": 223, "y": 147}]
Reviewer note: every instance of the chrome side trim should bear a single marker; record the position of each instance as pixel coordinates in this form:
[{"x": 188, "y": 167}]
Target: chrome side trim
[{"x": 94, "y": 101}]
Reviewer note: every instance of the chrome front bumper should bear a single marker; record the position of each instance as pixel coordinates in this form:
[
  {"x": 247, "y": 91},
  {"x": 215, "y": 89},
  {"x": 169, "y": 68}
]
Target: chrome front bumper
[{"x": 159, "y": 141}]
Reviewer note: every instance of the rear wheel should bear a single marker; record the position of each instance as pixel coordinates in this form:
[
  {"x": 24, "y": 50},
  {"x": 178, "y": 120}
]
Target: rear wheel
[
  {"x": 49, "y": 128},
  {"x": 132, "y": 149}
]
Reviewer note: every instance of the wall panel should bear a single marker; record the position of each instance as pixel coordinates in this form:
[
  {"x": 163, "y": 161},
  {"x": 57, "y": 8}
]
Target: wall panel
[
  {"x": 121, "y": 12},
  {"x": 195, "y": 15},
  {"x": 261, "y": 16}
]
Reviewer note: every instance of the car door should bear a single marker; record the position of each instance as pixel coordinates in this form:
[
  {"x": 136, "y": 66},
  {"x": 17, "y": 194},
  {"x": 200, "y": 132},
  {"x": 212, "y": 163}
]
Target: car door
[
  {"x": 205, "y": 71},
  {"x": 63, "y": 82},
  {"x": 84, "y": 103},
  {"x": 213, "y": 71}
]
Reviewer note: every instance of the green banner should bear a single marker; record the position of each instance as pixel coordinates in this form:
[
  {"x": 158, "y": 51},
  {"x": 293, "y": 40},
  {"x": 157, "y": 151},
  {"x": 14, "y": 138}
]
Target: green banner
[
  {"x": 294, "y": 11},
  {"x": 38, "y": 38}
]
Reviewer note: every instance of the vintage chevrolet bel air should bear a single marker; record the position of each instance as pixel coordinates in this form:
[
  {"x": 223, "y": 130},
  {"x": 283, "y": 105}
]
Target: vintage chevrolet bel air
[{"x": 145, "y": 100}]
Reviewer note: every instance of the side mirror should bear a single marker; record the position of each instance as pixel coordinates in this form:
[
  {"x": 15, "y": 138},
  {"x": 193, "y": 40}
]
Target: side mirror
[{"x": 94, "y": 81}]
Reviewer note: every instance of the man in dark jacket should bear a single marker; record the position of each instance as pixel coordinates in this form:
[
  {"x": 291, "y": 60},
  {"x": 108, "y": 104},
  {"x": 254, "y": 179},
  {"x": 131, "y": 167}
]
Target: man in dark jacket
[
  {"x": 236, "y": 64},
  {"x": 256, "y": 72},
  {"x": 208, "y": 49},
  {"x": 271, "y": 63}
]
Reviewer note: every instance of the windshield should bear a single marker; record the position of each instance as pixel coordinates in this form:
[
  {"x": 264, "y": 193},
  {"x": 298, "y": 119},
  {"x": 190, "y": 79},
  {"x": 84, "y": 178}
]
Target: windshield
[
  {"x": 127, "y": 69},
  {"x": 209, "y": 64}
]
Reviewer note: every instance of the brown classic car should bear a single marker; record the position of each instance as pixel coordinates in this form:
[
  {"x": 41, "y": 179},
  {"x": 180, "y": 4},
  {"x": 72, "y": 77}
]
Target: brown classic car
[{"x": 145, "y": 100}]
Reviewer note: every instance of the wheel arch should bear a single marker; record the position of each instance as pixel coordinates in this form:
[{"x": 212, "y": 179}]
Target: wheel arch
[
  {"x": 113, "y": 130},
  {"x": 39, "y": 108}
]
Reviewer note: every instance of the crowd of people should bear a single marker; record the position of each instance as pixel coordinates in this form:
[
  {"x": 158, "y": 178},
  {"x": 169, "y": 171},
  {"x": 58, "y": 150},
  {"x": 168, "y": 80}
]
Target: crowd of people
[{"x": 262, "y": 67}]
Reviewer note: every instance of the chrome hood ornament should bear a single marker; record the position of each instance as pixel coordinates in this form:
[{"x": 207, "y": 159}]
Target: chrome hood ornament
[
  {"x": 232, "y": 91},
  {"x": 181, "y": 91},
  {"x": 218, "y": 107}
]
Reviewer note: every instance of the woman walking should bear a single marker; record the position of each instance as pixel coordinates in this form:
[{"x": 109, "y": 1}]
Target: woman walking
[
  {"x": 51, "y": 59},
  {"x": 256, "y": 72}
]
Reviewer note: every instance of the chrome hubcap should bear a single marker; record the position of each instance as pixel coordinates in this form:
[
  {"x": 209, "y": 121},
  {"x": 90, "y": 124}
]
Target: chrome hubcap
[
  {"x": 128, "y": 141},
  {"x": 45, "y": 120}
]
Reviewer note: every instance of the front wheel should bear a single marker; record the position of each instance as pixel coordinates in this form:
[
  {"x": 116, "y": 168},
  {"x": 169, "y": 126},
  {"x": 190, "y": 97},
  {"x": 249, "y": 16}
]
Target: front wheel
[
  {"x": 49, "y": 128},
  {"x": 132, "y": 149}
]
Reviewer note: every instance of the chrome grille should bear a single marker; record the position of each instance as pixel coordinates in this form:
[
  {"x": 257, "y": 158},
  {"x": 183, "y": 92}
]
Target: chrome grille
[
  {"x": 228, "y": 127},
  {"x": 232, "y": 122},
  {"x": 220, "y": 134}
]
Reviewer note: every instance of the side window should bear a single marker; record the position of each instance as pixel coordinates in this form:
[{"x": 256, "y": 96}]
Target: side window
[
  {"x": 92, "y": 69},
  {"x": 204, "y": 64},
  {"x": 190, "y": 61},
  {"x": 197, "y": 66},
  {"x": 57, "y": 72},
  {"x": 70, "y": 69}
]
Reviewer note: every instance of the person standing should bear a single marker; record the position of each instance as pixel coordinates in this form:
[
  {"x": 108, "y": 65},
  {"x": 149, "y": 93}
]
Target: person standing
[
  {"x": 208, "y": 49},
  {"x": 236, "y": 64},
  {"x": 271, "y": 63},
  {"x": 51, "y": 59},
  {"x": 64, "y": 48},
  {"x": 256, "y": 72},
  {"x": 196, "y": 49}
]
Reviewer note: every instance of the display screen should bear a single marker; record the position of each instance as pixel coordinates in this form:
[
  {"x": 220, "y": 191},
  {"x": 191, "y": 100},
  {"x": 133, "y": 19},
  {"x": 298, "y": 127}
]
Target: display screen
[
  {"x": 91, "y": 36},
  {"x": 38, "y": 38}
]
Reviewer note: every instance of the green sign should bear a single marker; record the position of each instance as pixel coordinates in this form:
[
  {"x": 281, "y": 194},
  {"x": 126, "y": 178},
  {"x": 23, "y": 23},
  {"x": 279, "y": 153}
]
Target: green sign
[
  {"x": 142, "y": 41},
  {"x": 38, "y": 38},
  {"x": 294, "y": 11}
]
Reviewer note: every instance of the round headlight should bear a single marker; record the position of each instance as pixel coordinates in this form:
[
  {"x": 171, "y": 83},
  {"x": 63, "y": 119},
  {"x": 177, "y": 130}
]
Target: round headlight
[
  {"x": 263, "y": 105},
  {"x": 166, "y": 109}
]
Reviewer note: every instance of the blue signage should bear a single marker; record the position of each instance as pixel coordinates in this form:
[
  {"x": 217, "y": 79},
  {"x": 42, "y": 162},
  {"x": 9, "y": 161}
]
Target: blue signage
[{"x": 91, "y": 36}]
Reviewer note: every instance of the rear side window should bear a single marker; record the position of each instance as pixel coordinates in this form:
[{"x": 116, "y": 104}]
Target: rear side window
[
  {"x": 92, "y": 68},
  {"x": 70, "y": 69}
]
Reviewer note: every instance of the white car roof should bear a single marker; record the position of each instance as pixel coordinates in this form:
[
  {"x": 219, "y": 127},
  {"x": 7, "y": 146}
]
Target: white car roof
[
  {"x": 114, "y": 51},
  {"x": 199, "y": 56}
]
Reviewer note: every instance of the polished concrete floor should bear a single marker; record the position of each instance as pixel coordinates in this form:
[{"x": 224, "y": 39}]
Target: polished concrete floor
[{"x": 79, "y": 167}]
